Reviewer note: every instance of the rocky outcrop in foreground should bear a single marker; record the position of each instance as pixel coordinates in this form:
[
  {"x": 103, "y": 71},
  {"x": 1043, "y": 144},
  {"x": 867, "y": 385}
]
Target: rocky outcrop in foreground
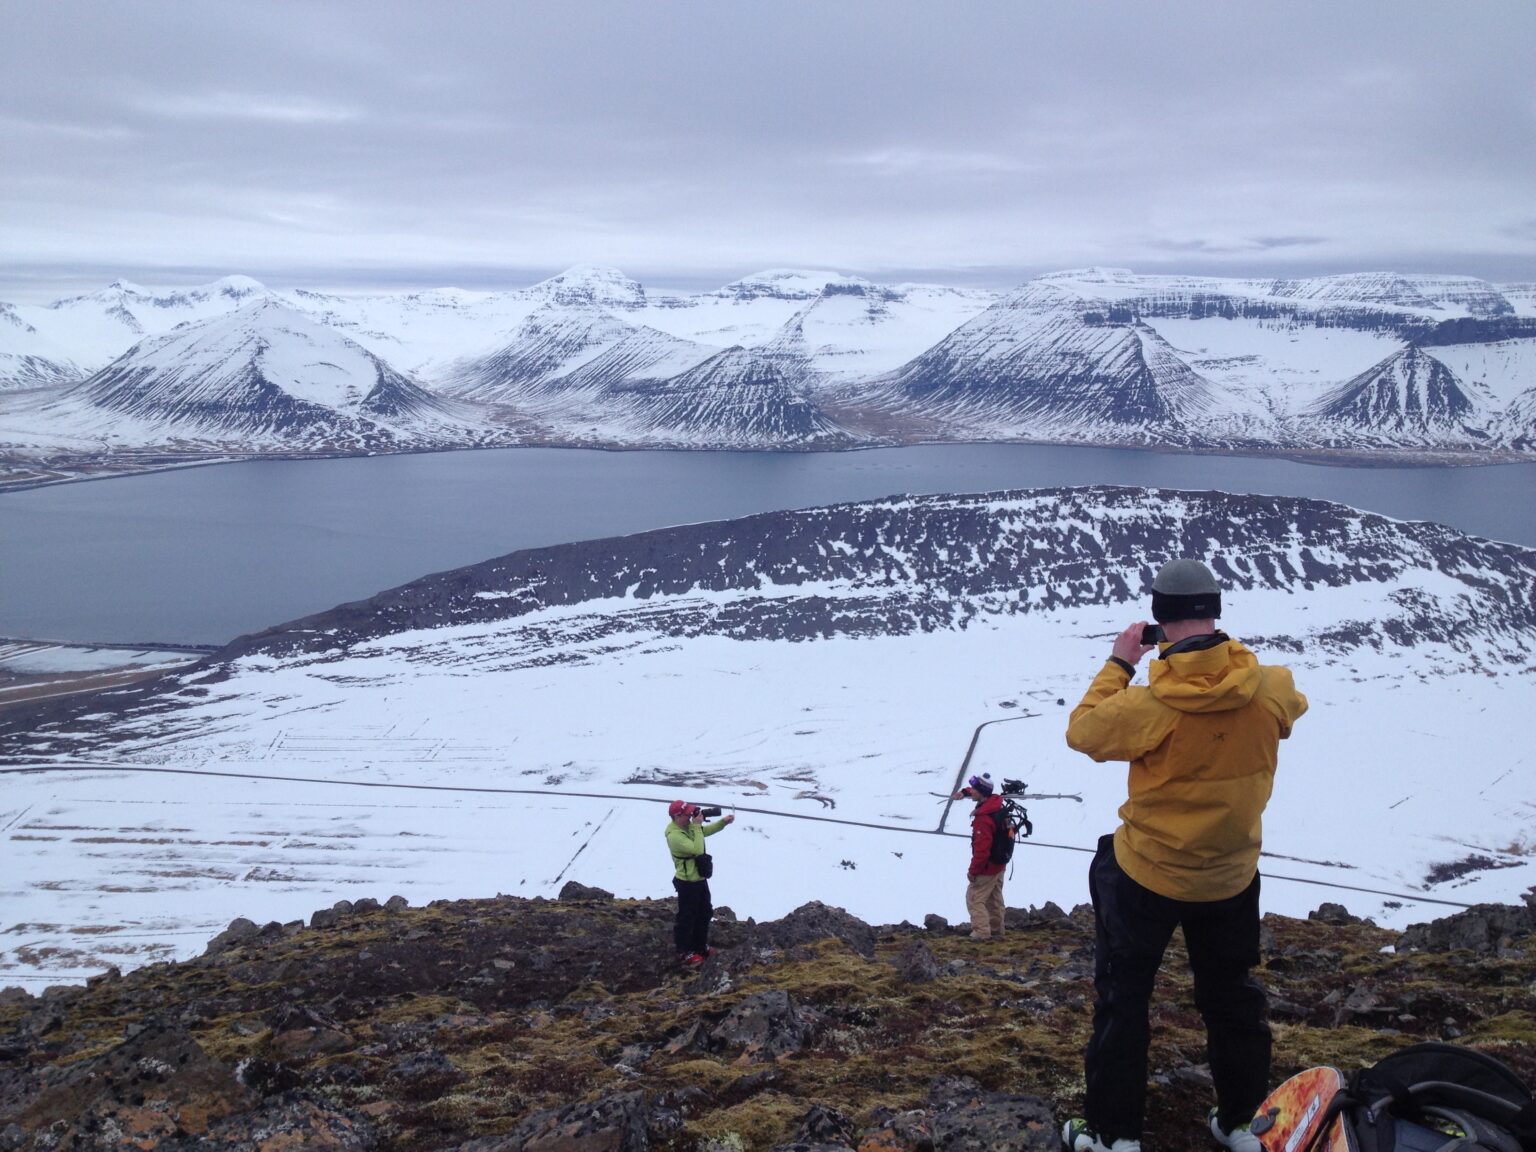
[{"x": 566, "y": 1026}]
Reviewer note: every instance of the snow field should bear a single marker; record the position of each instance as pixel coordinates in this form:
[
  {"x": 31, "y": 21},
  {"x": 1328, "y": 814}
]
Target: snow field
[{"x": 1405, "y": 761}]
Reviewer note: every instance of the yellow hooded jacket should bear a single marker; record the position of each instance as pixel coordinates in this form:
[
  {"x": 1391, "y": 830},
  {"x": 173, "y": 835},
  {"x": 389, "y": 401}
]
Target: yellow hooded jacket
[{"x": 1202, "y": 739}]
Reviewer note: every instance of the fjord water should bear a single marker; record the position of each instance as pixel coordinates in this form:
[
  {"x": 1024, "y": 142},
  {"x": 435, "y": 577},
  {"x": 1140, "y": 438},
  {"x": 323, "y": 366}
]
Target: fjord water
[{"x": 202, "y": 555}]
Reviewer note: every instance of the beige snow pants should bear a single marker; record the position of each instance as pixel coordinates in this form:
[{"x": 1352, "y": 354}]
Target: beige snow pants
[{"x": 984, "y": 901}]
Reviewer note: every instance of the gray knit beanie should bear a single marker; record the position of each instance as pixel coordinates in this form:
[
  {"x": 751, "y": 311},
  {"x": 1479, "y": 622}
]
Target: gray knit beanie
[{"x": 1185, "y": 590}]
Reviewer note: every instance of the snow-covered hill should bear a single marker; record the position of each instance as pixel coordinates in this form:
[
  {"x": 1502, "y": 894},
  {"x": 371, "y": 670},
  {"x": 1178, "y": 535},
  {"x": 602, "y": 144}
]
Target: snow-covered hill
[
  {"x": 739, "y": 396},
  {"x": 1409, "y": 394},
  {"x": 593, "y": 375},
  {"x": 552, "y": 341},
  {"x": 1047, "y": 363},
  {"x": 825, "y": 671},
  {"x": 263, "y": 374},
  {"x": 586, "y": 285}
]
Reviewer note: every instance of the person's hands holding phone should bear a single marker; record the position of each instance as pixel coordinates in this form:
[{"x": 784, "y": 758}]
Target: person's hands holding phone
[{"x": 1130, "y": 645}]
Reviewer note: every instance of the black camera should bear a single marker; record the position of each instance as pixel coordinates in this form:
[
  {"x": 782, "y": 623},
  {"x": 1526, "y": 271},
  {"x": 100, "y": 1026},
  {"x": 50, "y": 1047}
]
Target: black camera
[
  {"x": 709, "y": 813},
  {"x": 1014, "y": 787},
  {"x": 1152, "y": 634}
]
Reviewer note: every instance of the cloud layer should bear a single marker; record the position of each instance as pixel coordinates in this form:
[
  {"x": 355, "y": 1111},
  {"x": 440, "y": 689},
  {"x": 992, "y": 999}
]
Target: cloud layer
[{"x": 352, "y": 142}]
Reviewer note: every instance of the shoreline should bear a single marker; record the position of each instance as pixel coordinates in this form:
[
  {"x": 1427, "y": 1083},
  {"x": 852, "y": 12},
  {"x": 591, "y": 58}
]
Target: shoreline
[{"x": 1321, "y": 458}]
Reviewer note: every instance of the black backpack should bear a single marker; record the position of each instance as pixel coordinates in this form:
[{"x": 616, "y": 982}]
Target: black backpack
[
  {"x": 1428, "y": 1098},
  {"x": 1009, "y": 823}
]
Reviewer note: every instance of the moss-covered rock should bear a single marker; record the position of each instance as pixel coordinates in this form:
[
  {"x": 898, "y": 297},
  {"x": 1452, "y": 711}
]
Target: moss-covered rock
[{"x": 480, "y": 1023}]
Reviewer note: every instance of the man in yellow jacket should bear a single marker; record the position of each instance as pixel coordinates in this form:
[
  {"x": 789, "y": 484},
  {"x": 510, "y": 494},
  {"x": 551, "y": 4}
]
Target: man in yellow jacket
[{"x": 1202, "y": 741}]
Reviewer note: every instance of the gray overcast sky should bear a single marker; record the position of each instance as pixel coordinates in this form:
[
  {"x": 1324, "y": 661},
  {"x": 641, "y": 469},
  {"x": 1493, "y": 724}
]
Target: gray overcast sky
[{"x": 489, "y": 144}]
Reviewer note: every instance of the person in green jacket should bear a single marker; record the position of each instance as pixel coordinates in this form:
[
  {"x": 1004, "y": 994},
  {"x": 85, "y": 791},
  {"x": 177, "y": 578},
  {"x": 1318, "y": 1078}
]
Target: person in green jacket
[{"x": 685, "y": 841}]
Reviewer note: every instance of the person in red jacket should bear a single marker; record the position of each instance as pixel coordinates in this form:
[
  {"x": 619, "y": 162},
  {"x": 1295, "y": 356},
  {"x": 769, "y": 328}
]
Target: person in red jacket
[{"x": 984, "y": 893}]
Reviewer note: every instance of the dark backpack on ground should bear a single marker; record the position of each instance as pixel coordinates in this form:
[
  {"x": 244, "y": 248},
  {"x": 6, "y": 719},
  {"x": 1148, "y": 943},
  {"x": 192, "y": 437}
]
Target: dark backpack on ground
[
  {"x": 1427, "y": 1098},
  {"x": 1009, "y": 823}
]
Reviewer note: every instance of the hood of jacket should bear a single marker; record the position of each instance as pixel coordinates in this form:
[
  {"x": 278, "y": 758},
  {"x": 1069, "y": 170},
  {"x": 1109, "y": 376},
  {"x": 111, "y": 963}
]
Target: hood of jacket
[{"x": 1215, "y": 679}]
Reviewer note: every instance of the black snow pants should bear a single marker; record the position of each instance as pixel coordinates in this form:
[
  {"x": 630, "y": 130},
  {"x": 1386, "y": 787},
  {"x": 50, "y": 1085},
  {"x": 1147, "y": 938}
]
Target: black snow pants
[
  {"x": 1132, "y": 928},
  {"x": 691, "y": 932}
]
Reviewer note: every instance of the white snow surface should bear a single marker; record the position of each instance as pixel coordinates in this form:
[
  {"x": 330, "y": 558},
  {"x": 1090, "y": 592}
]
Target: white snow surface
[
  {"x": 514, "y": 755},
  {"x": 1495, "y": 373},
  {"x": 851, "y": 335},
  {"x": 1522, "y": 297},
  {"x": 1290, "y": 368}
]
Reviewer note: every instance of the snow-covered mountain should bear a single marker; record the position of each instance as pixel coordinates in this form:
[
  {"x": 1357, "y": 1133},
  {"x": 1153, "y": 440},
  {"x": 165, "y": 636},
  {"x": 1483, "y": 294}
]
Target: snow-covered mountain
[
  {"x": 920, "y": 564},
  {"x": 1044, "y": 362},
  {"x": 795, "y": 284},
  {"x": 28, "y": 359},
  {"x": 95, "y": 329},
  {"x": 1409, "y": 395},
  {"x": 853, "y": 330},
  {"x": 1107, "y": 356},
  {"x": 639, "y": 358},
  {"x": 1433, "y": 297},
  {"x": 827, "y": 670},
  {"x": 431, "y": 333},
  {"x": 803, "y": 330},
  {"x": 586, "y": 285},
  {"x": 1097, "y": 356},
  {"x": 420, "y": 332},
  {"x": 553, "y": 341},
  {"x": 859, "y": 329},
  {"x": 593, "y": 374},
  {"x": 1449, "y": 295},
  {"x": 740, "y": 396},
  {"x": 1518, "y": 423},
  {"x": 261, "y": 374}
]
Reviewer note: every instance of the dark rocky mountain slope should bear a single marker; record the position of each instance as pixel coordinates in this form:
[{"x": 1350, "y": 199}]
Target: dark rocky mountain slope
[
  {"x": 914, "y": 564},
  {"x": 920, "y": 563}
]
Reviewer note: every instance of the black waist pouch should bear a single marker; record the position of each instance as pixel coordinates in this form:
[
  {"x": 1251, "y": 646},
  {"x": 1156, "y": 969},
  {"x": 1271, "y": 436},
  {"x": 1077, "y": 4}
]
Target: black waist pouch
[{"x": 704, "y": 863}]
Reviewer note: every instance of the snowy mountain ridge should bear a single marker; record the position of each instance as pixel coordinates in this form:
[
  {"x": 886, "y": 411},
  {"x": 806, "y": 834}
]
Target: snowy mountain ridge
[
  {"x": 1106, "y": 356},
  {"x": 918, "y": 564},
  {"x": 1088, "y": 356}
]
